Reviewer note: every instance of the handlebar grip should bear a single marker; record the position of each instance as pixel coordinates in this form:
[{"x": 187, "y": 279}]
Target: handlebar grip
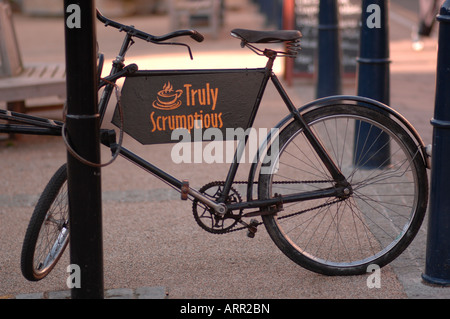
[
  {"x": 148, "y": 37},
  {"x": 197, "y": 36}
]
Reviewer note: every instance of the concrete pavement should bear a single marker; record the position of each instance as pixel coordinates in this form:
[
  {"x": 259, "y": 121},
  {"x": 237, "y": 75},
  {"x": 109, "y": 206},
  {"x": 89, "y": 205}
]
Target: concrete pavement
[{"x": 151, "y": 241}]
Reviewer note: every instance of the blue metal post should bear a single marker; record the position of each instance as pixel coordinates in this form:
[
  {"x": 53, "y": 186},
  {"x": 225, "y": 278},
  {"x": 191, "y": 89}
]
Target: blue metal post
[
  {"x": 373, "y": 81},
  {"x": 329, "y": 67},
  {"x": 437, "y": 267}
]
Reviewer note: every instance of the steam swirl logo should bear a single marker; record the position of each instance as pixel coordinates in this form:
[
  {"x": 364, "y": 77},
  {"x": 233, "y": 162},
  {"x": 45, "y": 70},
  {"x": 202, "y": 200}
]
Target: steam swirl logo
[{"x": 167, "y": 98}]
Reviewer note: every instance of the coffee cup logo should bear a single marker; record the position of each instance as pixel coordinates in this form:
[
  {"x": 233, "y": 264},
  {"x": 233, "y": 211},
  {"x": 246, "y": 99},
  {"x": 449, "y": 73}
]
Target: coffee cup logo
[{"x": 167, "y": 98}]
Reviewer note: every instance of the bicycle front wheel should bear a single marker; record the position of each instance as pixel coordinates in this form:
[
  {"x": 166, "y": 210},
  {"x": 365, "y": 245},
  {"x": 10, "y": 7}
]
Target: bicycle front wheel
[
  {"x": 47, "y": 234},
  {"x": 343, "y": 236}
]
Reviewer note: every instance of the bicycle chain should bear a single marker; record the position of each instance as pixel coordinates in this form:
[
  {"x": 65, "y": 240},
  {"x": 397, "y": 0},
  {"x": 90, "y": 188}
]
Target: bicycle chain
[
  {"x": 285, "y": 182},
  {"x": 255, "y": 224}
]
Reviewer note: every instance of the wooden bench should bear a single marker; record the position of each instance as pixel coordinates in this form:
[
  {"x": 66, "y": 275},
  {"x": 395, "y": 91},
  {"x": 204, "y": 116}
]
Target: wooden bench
[
  {"x": 21, "y": 82},
  {"x": 188, "y": 13}
]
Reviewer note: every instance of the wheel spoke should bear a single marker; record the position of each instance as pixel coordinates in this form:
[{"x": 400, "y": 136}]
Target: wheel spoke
[{"x": 386, "y": 205}]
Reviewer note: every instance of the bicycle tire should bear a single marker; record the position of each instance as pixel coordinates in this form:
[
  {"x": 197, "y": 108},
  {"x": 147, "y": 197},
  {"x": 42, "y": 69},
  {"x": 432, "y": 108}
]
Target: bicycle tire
[
  {"x": 372, "y": 226},
  {"x": 47, "y": 234}
]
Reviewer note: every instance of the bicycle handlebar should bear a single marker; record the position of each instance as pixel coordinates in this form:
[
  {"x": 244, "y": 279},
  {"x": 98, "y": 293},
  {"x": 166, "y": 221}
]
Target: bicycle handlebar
[{"x": 148, "y": 37}]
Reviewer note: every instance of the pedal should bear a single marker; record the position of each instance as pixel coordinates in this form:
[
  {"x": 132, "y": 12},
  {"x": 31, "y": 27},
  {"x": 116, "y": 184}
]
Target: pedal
[
  {"x": 252, "y": 228},
  {"x": 184, "y": 190}
]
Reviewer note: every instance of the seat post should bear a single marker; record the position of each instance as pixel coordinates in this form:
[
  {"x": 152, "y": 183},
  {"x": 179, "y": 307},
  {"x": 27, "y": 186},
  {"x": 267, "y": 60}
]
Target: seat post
[{"x": 271, "y": 54}]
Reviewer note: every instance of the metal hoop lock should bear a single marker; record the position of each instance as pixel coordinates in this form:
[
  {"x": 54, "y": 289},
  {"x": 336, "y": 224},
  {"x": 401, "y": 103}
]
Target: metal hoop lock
[
  {"x": 96, "y": 118},
  {"x": 82, "y": 135}
]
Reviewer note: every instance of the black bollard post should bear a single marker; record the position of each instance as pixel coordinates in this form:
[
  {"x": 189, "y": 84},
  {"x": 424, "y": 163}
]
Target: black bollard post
[
  {"x": 82, "y": 120},
  {"x": 373, "y": 81},
  {"x": 437, "y": 266},
  {"x": 329, "y": 68}
]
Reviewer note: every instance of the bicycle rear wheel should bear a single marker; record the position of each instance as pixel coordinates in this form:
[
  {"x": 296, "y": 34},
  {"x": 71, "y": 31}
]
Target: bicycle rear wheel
[
  {"x": 47, "y": 234},
  {"x": 335, "y": 236}
]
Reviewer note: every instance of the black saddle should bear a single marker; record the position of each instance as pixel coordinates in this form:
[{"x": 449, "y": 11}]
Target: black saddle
[{"x": 253, "y": 36}]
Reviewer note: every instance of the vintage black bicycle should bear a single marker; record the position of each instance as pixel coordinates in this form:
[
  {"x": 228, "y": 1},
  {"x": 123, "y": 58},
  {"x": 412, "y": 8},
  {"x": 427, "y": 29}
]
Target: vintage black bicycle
[{"x": 341, "y": 182}]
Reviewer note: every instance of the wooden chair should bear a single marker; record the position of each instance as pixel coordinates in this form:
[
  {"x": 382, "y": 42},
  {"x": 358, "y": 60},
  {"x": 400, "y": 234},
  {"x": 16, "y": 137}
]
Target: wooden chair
[{"x": 20, "y": 82}]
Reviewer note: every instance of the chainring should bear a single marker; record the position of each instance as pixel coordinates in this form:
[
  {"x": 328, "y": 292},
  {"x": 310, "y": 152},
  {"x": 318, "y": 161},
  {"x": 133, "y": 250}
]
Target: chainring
[{"x": 207, "y": 218}]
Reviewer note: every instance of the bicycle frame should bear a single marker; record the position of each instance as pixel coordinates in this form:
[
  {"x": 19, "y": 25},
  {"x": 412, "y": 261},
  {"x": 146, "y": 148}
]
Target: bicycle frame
[
  {"x": 378, "y": 218},
  {"x": 48, "y": 127},
  {"x": 341, "y": 189}
]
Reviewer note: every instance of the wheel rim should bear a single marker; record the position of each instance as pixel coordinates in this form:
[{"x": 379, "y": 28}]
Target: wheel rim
[
  {"x": 362, "y": 228},
  {"x": 53, "y": 235}
]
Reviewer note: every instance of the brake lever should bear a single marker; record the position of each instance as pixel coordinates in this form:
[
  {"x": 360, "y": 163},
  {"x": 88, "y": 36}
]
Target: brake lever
[{"x": 176, "y": 43}]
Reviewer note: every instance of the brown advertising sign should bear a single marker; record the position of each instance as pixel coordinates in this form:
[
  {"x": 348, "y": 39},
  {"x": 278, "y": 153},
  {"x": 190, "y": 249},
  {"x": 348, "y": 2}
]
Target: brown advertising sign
[{"x": 156, "y": 103}]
